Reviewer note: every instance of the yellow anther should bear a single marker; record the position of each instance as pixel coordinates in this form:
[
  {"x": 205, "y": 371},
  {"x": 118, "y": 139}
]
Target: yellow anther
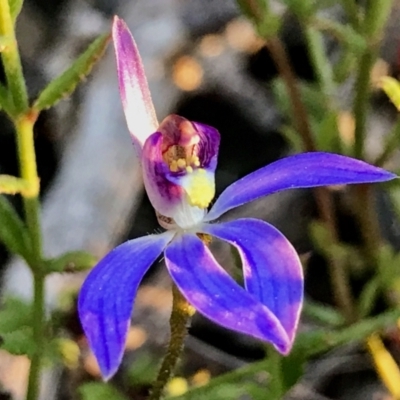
[
  {"x": 181, "y": 162},
  {"x": 173, "y": 166},
  {"x": 194, "y": 160},
  {"x": 201, "y": 189},
  {"x": 189, "y": 169}
]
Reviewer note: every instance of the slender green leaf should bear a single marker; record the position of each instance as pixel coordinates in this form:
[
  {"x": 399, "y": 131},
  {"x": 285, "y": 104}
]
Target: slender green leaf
[
  {"x": 344, "y": 33},
  {"x": 13, "y": 233},
  {"x": 323, "y": 314},
  {"x": 15, "y": 8},
  {"x": 5, "y": 103},
  {"x": 16, "y": 327},
  {"x": 14, "y": 314},
  {"x": 100, "y": 391},
  {"x": 303, "y": 9},
  {"x": 368, "y": 297},
  {"x": 19, "y": 342},
  {"x": 66, "y": 83},
  {"x": 293, "y": 138},
  {"x": 13, "y": 185},
  {"x": 73, "y": 261},
  {"x": 327, "y": 133}
]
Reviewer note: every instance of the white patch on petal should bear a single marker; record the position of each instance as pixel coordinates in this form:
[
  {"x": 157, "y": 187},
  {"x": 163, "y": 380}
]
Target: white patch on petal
[{"x": 187, "y": 216}]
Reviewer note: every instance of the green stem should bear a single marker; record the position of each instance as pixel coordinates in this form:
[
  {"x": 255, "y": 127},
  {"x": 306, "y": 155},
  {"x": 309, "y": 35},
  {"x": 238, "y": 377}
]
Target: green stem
[
  {"x": 375, "y": 19},
  {"x": 275, "y": 383},
  {"x": 368, "y": 223},
  {"x": 38, "y": 336},
  {"x": 27, "y": 159},
  {"x": 361, "y": 101},
  {"x": 180, "y": 315},
  {"x": 11, "y": 61}
]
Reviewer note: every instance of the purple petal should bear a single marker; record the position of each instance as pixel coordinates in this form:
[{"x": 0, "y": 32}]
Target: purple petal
[
  {"x": 135, "y": 94},
  {"x": 271, "y": 267},
  {"x": 106, "y": 299},
  {"x": 299, "y": 171},
  {"x": 208, "y": 287}
]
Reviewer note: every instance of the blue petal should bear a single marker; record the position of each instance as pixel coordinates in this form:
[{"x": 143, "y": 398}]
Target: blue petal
[
  {"x": 299, "y": 171},
  {"x": 106, "y": 299},
  {"x": 271, "y": 267},
  {"x": 208, "y": 287}
]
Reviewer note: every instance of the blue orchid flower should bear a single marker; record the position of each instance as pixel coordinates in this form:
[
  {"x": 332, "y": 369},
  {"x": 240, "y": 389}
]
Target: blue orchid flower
[{"x": 179, "y": 158}]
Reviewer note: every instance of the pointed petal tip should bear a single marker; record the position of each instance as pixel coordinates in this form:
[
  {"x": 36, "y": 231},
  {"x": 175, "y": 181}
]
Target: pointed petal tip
[
  {"x": 135, "y": 93},
  {"x": 304, "y": 170},
  {"x": 107, "y": 374},
  {"x": 106, "y": 298}
]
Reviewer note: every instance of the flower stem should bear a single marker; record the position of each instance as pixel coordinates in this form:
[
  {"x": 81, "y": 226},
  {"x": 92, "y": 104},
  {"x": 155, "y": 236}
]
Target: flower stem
[
  {"x": 38, "y": 335},
  {"x": 180, "y": 316},
  {"x": 27, "y": 158},
  {"x": 275, "y": 383},
  {"x": 11, "y": 60},
  {"x": 24, "y": 121}
]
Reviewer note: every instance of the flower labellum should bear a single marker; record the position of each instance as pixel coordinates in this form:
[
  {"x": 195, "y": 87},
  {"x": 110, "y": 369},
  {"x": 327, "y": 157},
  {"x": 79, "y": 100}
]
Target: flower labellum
[{"x": 179, "y": 158}]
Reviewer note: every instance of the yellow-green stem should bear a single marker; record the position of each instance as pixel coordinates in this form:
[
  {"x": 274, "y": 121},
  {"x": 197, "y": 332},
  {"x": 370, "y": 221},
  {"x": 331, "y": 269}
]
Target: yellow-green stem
[
  {"x": 181, "y": 313},
  {"x": 11, "y": 61},
  {"x": 27, "y": 158}
]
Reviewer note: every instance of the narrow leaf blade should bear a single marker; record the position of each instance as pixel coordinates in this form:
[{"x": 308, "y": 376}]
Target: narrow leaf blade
[
  {"x": 65, "y": 84},
  {"x": 15, "y": 8},
  {"x": 13, "y": 233}
]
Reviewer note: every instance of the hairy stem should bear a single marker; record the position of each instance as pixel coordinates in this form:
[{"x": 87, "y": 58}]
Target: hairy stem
[{"x": 180, "y": 316}]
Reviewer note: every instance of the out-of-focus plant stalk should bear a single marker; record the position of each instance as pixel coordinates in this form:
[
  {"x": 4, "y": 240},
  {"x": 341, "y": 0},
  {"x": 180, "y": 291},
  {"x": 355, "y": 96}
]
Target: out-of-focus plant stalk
[
  {"x": 320, "y": 63},
  {"x": 374, "y": 22},
  {"x": 180, "y": 316},
  {"x": 361, "y": 101},
  {"x": 338, "y": 274},
  {"x": 24, "y": 121},
  {"x": 11, "y": 60},
  {"x": 376, "y": 15},
  {"x": 352, "y": 11}
]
